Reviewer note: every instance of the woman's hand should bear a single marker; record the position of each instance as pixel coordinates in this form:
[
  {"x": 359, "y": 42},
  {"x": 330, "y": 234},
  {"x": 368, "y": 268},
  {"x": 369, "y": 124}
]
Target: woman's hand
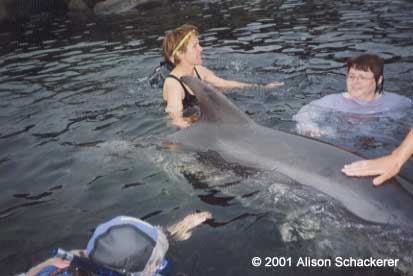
[
  {"x": 181, "y": 123},
  {"x": 313, "y": 132},
  {"x": 274, "y": 84},
  {"x": 183, "y": 229},
  {"x": 385, "y": 167}
]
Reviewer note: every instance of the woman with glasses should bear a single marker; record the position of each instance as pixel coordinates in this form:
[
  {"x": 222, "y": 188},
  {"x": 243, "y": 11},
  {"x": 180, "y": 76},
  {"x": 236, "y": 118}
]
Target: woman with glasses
[
  {"x": 364, "y": 95},
  {"x": 182, "y": 50}
]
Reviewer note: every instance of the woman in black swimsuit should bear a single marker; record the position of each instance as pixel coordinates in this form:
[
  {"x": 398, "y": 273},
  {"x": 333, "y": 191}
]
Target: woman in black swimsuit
[{"x": 181, "y": 47}]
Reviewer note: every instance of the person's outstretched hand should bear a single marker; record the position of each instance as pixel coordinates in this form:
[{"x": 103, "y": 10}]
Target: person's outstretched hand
[
  {"x": 182, "y": 230},
  {"x": 181, "y": 123},
  {"x": 313, "y": 132},
  {"x": 385, "y": 167},
  {"x": 274, "y": 84}
]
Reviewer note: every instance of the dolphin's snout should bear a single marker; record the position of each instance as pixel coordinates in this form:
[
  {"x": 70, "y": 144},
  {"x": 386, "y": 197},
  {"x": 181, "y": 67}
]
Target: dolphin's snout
[
  {"x": 189, "y": 80},
  {"x": 197, "y": 86}
]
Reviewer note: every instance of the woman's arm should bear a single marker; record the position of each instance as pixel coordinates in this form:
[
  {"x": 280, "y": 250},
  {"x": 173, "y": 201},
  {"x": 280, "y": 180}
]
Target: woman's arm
[
  {"x": 173, "y": 94},
  {"x": 385, "y": 167},
  {"x": 218, "y": 82},
  {"x": 55, "y": 261},
  {"x": 308, "y": 118}
]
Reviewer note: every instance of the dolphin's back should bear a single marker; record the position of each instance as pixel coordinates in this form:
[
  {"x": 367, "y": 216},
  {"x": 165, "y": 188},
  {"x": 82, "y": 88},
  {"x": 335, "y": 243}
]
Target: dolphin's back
[
  {"x": 318, "y": 165},
  {"x": 223, "y": 128}
]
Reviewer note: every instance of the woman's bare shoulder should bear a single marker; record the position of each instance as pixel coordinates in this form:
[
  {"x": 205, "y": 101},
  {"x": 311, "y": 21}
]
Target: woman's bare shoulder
[{"x": 172, "y": 88}]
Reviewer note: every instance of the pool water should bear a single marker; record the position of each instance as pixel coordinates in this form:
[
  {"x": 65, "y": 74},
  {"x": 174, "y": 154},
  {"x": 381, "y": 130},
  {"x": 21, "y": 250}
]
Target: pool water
[{"x": 81, "y": 128}]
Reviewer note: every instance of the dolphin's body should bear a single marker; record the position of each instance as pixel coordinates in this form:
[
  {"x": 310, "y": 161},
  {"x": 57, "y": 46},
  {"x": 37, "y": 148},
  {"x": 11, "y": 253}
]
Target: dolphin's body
[
  {"x": 223, "y": 128},
  {"x": 117, "y": 6}
]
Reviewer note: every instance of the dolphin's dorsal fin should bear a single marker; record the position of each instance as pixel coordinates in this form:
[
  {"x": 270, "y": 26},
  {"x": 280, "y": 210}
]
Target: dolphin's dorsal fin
[{"x": 215, "y": 106}]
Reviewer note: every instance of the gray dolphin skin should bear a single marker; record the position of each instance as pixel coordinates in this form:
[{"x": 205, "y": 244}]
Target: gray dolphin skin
[
  {"x": 224, "y": 129},
  {"x": 116, "y": 6}
]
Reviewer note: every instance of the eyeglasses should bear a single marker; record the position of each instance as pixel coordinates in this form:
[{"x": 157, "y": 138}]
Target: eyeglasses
[{"x": 362, "y": 78}]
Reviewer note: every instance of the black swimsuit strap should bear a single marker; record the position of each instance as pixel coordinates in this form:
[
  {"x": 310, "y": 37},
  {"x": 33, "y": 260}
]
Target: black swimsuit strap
[
  {"x": 197, "y": 74},
  {"x": 175, "y": 77},
  {"x": 189, "y": 99},
  {"x": 188, "y": 96}
]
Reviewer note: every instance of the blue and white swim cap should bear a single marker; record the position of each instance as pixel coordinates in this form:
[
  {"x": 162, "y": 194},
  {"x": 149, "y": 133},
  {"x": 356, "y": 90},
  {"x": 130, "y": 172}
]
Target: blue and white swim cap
[{"x": 123, "y": 243}]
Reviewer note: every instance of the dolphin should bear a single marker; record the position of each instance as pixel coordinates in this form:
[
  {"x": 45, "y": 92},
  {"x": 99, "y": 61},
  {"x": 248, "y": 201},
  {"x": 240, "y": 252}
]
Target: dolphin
[
  {"x": 116, "y": 6},
  {"x": 226, "y": 130}
]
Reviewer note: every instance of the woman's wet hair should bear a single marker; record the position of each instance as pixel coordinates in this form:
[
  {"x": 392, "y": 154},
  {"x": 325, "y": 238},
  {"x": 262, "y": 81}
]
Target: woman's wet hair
[
  {"x": 173, "y": 38},
  {"x": 369, "y": 62}
]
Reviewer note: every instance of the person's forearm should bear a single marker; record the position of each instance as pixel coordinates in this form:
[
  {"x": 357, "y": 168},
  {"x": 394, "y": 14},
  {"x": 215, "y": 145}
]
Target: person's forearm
[
  {"x": 403, "y": 152},
  {"x": 52, "y": 261},
  {"x": 235, "y": 84},
  {"x": 178, "y": 120},
  {"x": 238, "y": 84}
]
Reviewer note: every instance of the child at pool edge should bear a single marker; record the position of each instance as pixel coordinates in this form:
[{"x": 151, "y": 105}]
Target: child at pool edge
[{"x": 182, "y": 49}]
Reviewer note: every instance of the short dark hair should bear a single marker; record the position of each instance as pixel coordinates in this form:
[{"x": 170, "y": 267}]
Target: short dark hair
[{"x": 369, "y": 62}]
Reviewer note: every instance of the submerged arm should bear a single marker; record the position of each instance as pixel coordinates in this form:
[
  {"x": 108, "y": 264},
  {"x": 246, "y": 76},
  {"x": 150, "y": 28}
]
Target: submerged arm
[{"x": 306, "y": 119}]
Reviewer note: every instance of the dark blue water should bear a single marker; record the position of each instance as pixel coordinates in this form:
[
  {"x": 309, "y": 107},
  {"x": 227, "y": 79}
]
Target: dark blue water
[{"x": 80, "y": 131}]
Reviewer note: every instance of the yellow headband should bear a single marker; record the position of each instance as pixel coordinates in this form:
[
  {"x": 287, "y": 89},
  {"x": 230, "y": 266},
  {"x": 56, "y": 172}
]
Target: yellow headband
[{"x": 182, "y": 42}]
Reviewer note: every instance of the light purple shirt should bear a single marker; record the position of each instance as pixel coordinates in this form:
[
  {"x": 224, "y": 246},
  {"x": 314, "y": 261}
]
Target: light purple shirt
[
  {"x": 387, "y": 102},
  {"x": 316, "y": 114}
]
